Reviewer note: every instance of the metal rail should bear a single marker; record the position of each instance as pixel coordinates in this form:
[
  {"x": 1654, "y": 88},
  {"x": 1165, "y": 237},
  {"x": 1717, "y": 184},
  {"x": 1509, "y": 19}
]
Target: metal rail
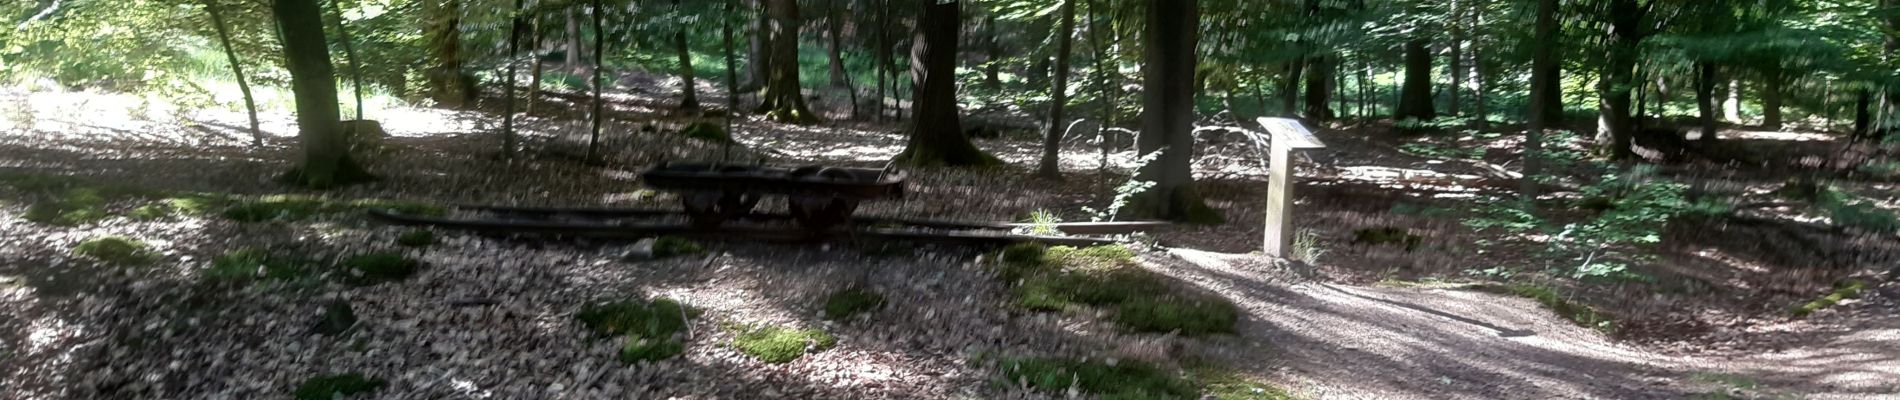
[
  {"x": 945, "y": 232},
  {"x": 1072, "y": 228}
]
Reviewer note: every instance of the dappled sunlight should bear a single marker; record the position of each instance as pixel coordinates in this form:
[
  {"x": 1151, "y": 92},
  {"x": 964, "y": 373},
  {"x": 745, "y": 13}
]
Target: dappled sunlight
[{"x": 1784, "y": 136}]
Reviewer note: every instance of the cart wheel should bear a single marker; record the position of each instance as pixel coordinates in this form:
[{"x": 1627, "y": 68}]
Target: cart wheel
[
  {"x": 821, "y": 212},
  {"x": 709, "y": 209}
]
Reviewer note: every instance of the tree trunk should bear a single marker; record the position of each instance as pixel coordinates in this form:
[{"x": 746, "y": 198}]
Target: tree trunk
[
  {"x": 534, "y": 82},
  {"x": 1169, "y": 41},
  {"x": 880, "y": 50},
  {"x": 327, "y": 161},
  {"x": 783, "y": 100},
  {"x": 1290, "y": 88},
  {"x": 508, "y": 98},
  {"x": 1478, "y": 80},
  {"x": 1415, "y": 98},
  {"x": 1455, "y": 56},
  {"x": 599, "y": 116},
  {"x": 573, "y": 61},
  {"x": 1102, "y": 83},
  {"x": 1319, "y": 79},
  {"x": 1543, "y": 72},
  {"x": 759, "y": 53},
  {"x": 993, "y": 70},
  {"x": 349, "y": 51},
  {"x": 689, "y": 87},
  {"x": 1732, "y": 108},
  {"x": 1863, "y": 114},
  {"x": 1705, "y": 101},
  {"x": 834, "y": 28},
  {"x": 732, "y": 63},
  {"x": 448, "y": 86},
  {"x": 1059, "y": 95},
  {"x": 237, "y": 70},
  {"x": 936, "y": 137},
  {"x": 1615, "y": 131},
  {"x": 1771, "y": 99}
]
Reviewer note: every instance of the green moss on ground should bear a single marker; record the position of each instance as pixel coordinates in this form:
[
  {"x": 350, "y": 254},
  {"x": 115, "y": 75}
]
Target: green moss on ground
[
  {"x": 651, "y": 329},
  {"x": 118, "y": 250},
  {"x": 68, "y": 201},
  {"x": 1849, "y": 289},
  {"x": 416, "y": 238},
  {"x": 1581, "y": 314},
  {"x": 379, "y": 267},
  {"x": 336, "y": 386},
  {"x": 1063, "y": 278},
  {"x": 1124, "y": 380},
  {"x": 671, "y": 246},
  {"x": 844, "y": 304},
  {"x": 1220, "y": 384},
  {"x": 778, "y": 345},
  {"x": 251, "y": 264}
]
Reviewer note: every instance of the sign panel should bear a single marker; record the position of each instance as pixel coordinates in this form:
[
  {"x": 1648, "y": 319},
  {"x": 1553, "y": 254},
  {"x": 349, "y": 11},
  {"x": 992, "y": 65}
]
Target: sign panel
[{"x": 1290, "y": 132}]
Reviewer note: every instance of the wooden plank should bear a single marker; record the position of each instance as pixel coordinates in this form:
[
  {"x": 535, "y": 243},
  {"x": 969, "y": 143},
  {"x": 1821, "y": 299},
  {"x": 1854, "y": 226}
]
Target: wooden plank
[{"x": 1291, "y": 132}]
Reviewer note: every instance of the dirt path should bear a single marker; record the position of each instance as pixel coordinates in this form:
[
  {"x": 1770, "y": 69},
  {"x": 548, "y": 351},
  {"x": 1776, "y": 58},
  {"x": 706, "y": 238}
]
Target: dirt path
[{"x": 1338, "y": 341}]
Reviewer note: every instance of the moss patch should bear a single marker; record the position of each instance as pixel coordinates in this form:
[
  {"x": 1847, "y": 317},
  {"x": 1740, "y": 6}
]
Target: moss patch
[
  {"x": 671, "y": 246},
  {"x": 118, "y": 250},
  {"x": 416, "y": 238},
  {"x": 251, "y": 264},
  {"x": 1124, "y": 380},
  {"x": 651, "y": 329},
  {"x": 1849, "y": 289},
  {"x": 844, "y": 304},
  {"x": 1581, "y": 314},
  {"x": 1226, "y": 385},
  {"x": 1062, "y": 278},
  {"x": 379, "y": 267},
  {"x": 778, "y": 345},
  {"x": 334, "y": 386}
]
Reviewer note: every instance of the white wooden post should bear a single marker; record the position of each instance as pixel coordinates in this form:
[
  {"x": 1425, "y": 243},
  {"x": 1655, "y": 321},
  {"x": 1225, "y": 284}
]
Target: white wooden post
[{"x": 1288, "y": 135}]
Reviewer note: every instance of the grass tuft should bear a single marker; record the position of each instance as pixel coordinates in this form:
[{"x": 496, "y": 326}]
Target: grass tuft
[
  {"x": 1226, "y": 385},
  {"x": 1581, "y": 314},
  {"x": 651, "y": 328},
  {"x": 379, "y": 267},
  {"x": 844, "y": 304},
  {"x": 118, "y": 250},
  {"x": 249, "y": 264},
  {"x": 778, "y": 345},
  {"x": 336, "y": 386},
  {"x": 416, "y": 238},
  {"x": 1124, "y": 380},
  {"x": 670, "y": 246}
]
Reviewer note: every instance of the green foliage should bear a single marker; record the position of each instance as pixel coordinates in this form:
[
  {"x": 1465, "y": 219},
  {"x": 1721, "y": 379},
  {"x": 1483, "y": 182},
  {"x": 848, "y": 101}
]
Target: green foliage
[
  {"x": 252, "y": 264},
  {"x": 379, "y": 267},
  {"x": 416, "y": 238},
  {"x": 298, "y": 208},
  {"x": 1581, "y": 314},
  {"x": 1632, "y": 210},
  {"x": 1061, "y": 278},
  {"x": 1168, "y": 314},
  {"x": 779, "y": 345},
  {"x": 1846, "y": 209},
  {"x": 1127, "y": 191},
  {"x": 1849, "y": 289},
  {"x": 651, "y": 329},
  {"x": 1225, "y": 385},
  {"x": 671, "y": 246},
  {"x": 117, "y": 250},
  {"x": 336, "y": 386},
  {"x": 844, "y": 304},
  {"x": 1124, "y": 380},
  {"x": 1385, "y": 236},
  {"x": 1307, "y": 247},
  {"x": 1043, "y": 223}
]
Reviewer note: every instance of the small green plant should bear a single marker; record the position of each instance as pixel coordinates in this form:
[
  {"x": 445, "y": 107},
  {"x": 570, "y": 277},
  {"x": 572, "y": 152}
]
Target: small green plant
[
  {"x": 1221, "y": 384},
  {"x": 250, "y": 264},
  {"x": 1123, "y": 380},
  {"x": 778, "y": 345},
  {"x": 844, "y": 304},
  {"x": 1307, "y": 247},
  {"x": 1849, "y": 289},
  {"x": 330, "y": 387},
  {"x": 1581, "y": 314},
  {"x": 1846, "y": 209},
  {"x": 117, "y": 250},
  {"x": 651, "y": 329},
  {"x": 1042, "y": 223},
  {"x": 379, "y": 267},
  {"x": 672, "y": 246},
  {"x": 1632, "y": 208},
  {"x": 416, "y": 238},
  {"x": 1127, "y": 191}
]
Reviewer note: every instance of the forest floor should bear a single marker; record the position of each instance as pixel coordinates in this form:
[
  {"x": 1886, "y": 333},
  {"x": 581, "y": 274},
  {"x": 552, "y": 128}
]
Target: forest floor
[{"x": 491, "y": 317}]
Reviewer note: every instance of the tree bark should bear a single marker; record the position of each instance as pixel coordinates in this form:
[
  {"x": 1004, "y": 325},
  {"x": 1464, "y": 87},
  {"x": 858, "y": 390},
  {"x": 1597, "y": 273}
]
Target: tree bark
[
  {"x": 1319, "y": 79},
  {"x": 1705, "y": 101},
  {"x": 759, "y": 51},
  {"x": 1455, "y": 56},
  {"x": 537, "y": 23},
  {"x": 732, "y": 63},
  {"x": 1059, "y": 95},
  {"x": 349, "y": 51},
  {"x": 783, "y": 100},
  {"x": 1863, "y": 114},
  {"x": 508, "y": 98},
  {"x": 1543, "y": 72},
  {"x": 936, "y": 137},
  {"x": 993, "y": 70},
  {"x": 599, "y": 116},
  {"x": 1415, "y": 98},
  {"x": 1169, "y": 40},
  {"x": 689, "y": 88},
  {"x": 573, "y": 52},
  {"x": 1478, "y": 80},
  {"x": 1102, "y": 83},
  {"x": 448, "y": 86},
  {"x": 1290, "y": 88},
  {"x": 834, "y": 28},
  {"x": 1772, "y": 83},
  {"x": 327, "y": 161},
  {"x": 1732, "y": 107},
  {"x": 237, "y": 70},
  {"x": 1615, "y": 131}
]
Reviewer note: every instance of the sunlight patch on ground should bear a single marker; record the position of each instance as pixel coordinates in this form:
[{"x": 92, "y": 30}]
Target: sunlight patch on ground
[{"x": 1780, "y": 136}]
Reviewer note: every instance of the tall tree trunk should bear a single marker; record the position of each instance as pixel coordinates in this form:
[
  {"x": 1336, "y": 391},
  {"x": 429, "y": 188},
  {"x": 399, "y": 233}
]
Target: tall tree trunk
[
  {"x": 1455, "y": 56},
  {"x": 880, "y": 50},
  {"x": 758, "y": 51},
  {"x": 1290, "y": 88},
  {"x": 834, "y": 28},
  {"x": 783, "y": 100},
  {"x": 1732, "y": 107},
  {"x": 1172, "y": 33},
  {"x": 536, "y": 24},
  {"x": 1543, "y": 72},
  {"x": 1415, "y": 98},
  {"x": 508, "y": 98},
  {"x": 1059, "y": 94},
  {"x": 1705, "y": 101},
  {"x": 448, "y": 85},
  {"x": 1615, "y": 130},
  {"x": 689, "y": 84},
  {"x": 1319, "y": 79},
  {"x": 1477, "y": 69},
  {"x": 599, "y": 115},
  {"x": 1103, "y": 83},
  {"x": 573, "y": 52},
  {"x": 237, "y": 70},
  {"x": 326, "y": 161},
  {"x": 1863, "y": 114},
  {"x": 732, "y": 63},
  {"x": 993, "y": 68},
  {"x": 349, "y": 51},
  {"x": 936, "y": 137},
  {"x": 1772, "y": 83}
]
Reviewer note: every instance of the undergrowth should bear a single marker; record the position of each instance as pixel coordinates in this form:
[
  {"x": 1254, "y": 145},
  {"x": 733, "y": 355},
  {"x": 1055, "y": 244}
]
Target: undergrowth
[
  {"x": 846, "y": 303},
  {"x": 251, "y": 264},
  {"x": 1062, "y": 278},
  {"x": 117, "y": 250},
  {"x": 778, "y": 345},
  {"x": 651, "y": 330}
]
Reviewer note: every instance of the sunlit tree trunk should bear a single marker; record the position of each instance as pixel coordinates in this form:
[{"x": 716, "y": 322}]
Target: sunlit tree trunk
[
  {"x": 1103, "y": 72},
  {"x": 1615, "y": 130},
  {"x": 1059, "y": 95},
  {"x": 327, "y": 161},
  {"x": 732, "y": 63},
  {"x": 1455, "y": 58},
  {"x": 349, "y": 51},
  {"x": 936, "y": 137},
  {"x": 519, "y": 24},
  {"x": 1705, "y": 101},
  {"x": 1169, "y": 40},
  {"x": 1478, "y": 79},
  {"x": 758, "y": 50},
  {"x": 447, "y": 84},
  {"x": 689, "y": 88},
  {"x": 573, "y": 52},
  {"x": 1732, "y": 107},
  {"x": 599, "y": 116},
  {"x": 237, "y": 70},
  {"x": 783, "y": 100},
  {"x": 534, "y": 82},
  {"x": 1415, "y": 97},
  {"x": 834, "y": 30}
]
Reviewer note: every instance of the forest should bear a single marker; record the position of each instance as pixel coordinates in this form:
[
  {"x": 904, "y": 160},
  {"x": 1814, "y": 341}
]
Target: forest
[{"x": 983, "y": 199}]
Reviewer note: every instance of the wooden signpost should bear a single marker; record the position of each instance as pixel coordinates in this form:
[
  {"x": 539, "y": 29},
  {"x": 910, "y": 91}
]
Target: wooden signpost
[{"x": 1288, "y": 135}]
